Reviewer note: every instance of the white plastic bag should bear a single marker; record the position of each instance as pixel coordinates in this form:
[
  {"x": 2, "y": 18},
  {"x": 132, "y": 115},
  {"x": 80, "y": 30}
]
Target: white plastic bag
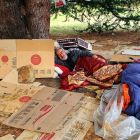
[
  {"x": 59, "y": 3},
  {"x": 108, "y": 122}
]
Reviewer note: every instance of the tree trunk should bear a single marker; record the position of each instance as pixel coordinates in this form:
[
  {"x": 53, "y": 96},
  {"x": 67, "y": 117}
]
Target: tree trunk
[
  {"x": 38, "y": 18},
  {"x": 11, "y": 21}
]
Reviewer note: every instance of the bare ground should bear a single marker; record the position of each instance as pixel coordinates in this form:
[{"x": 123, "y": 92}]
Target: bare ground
[{"x": 105, "y": 37}]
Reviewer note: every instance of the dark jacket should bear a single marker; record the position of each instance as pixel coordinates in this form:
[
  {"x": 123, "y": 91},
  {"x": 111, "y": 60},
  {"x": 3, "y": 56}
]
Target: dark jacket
[{"x": 73, "y": 56}]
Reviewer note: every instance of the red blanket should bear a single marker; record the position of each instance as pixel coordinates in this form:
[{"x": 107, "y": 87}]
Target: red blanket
[
  {"x": 86, "y": 64},
  {"x": 101, "y": 74},
  {"x": 90, "y": 64}
]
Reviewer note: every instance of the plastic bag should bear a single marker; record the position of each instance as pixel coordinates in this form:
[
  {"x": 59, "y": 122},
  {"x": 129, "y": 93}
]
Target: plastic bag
[
  {"x": 59, "y": 3},
  {"x": 108, "y": 121}
]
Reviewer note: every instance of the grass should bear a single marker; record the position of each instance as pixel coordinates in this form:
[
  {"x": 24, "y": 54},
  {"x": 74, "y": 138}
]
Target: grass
[{"x": 61, "y": 27}]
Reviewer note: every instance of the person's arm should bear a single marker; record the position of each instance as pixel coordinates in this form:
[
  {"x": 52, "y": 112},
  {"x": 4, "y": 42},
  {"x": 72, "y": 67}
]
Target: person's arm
[
  {"x": 89, "y": 54},
  {"x": 83, "y": 53}
]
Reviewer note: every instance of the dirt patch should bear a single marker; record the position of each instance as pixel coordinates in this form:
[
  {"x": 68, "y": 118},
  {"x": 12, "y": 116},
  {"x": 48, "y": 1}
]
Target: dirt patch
[
  {"x": 121, "y": 36},
  {"x": 104, "y": 47}
]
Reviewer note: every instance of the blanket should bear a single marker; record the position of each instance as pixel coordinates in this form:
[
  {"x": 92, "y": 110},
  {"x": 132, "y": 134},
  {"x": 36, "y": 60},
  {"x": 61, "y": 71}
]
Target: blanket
[{"x": 95, "y": 72}]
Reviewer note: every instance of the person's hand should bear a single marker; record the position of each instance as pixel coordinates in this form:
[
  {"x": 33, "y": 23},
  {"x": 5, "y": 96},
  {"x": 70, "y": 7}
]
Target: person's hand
[{"x": 100, "y": 59}]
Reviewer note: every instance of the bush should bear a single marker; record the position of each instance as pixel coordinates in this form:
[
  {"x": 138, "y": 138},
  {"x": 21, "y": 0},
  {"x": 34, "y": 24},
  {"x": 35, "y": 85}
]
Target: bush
[{"x": 102, "y": 15}]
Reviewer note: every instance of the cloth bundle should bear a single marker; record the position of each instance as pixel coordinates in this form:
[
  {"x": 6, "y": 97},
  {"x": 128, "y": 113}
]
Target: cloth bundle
[{"x": 131, "y": 76}]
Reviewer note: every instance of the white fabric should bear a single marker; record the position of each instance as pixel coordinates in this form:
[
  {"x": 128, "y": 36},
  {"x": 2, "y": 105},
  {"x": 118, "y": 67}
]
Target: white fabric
[
  {"x": 58, "y": 70},
  {"x": 55, "y": 75}
]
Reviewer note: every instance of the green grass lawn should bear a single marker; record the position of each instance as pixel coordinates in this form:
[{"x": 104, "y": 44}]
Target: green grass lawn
[{"x": 61, "y": 27}]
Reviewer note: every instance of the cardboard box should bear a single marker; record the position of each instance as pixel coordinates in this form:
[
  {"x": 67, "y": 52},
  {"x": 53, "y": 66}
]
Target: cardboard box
[
  {"x": 7, "y": 56},
  {"x": 48, "y": 106},
  {"x": 17, "y": 53},
  {"x": 39, "y": 53},
  {"x": 74, "y": 43}
]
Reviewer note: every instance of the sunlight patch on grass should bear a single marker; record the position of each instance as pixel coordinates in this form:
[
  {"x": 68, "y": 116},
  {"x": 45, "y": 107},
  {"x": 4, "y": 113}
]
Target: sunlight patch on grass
[{"x": 60, "y": 26}]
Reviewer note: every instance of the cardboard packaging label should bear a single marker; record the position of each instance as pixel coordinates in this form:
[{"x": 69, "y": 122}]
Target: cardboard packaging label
[{"x": 45, "y": 110}]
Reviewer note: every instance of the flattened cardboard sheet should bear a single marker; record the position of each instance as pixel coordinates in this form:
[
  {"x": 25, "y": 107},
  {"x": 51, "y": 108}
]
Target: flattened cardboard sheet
[
  {"x": 16, "y": 99},
  {"x": 123, "y": 58},
  {"x": 49, "y": 106},
  {"x": 73, "y": 126},
  {"x": 29, "y": 135},
  {"x": 7, "y": 137},
  {"x": 76, "y": 123},
  {"x": 6, "y": 88},
  {"x": 119, "y": 57}
]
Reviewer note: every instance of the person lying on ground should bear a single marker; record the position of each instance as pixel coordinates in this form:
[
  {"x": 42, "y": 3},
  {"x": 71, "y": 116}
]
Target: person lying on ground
[{"x": 69, "y": 58}]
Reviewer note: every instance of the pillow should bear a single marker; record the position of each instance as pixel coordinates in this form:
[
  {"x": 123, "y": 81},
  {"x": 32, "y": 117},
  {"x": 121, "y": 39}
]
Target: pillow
[
  {"x": 107, "y": 72},
  {"x": 61, "y": 69}
]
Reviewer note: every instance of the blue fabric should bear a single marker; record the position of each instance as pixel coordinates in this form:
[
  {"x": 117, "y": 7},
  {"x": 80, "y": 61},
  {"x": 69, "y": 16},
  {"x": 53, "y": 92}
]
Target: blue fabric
[{"x": 131, "y": 76}]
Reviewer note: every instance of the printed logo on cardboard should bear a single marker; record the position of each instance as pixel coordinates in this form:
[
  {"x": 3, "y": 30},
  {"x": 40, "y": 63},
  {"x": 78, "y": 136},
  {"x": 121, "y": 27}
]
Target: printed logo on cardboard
[
  {"x": 46, "y": 136},
  {"x": 24, "y": 99},
  {"x": 47, "y": 109},
  {"x": 4, "y": 58},
  {"x": 35, "y": 59}
]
